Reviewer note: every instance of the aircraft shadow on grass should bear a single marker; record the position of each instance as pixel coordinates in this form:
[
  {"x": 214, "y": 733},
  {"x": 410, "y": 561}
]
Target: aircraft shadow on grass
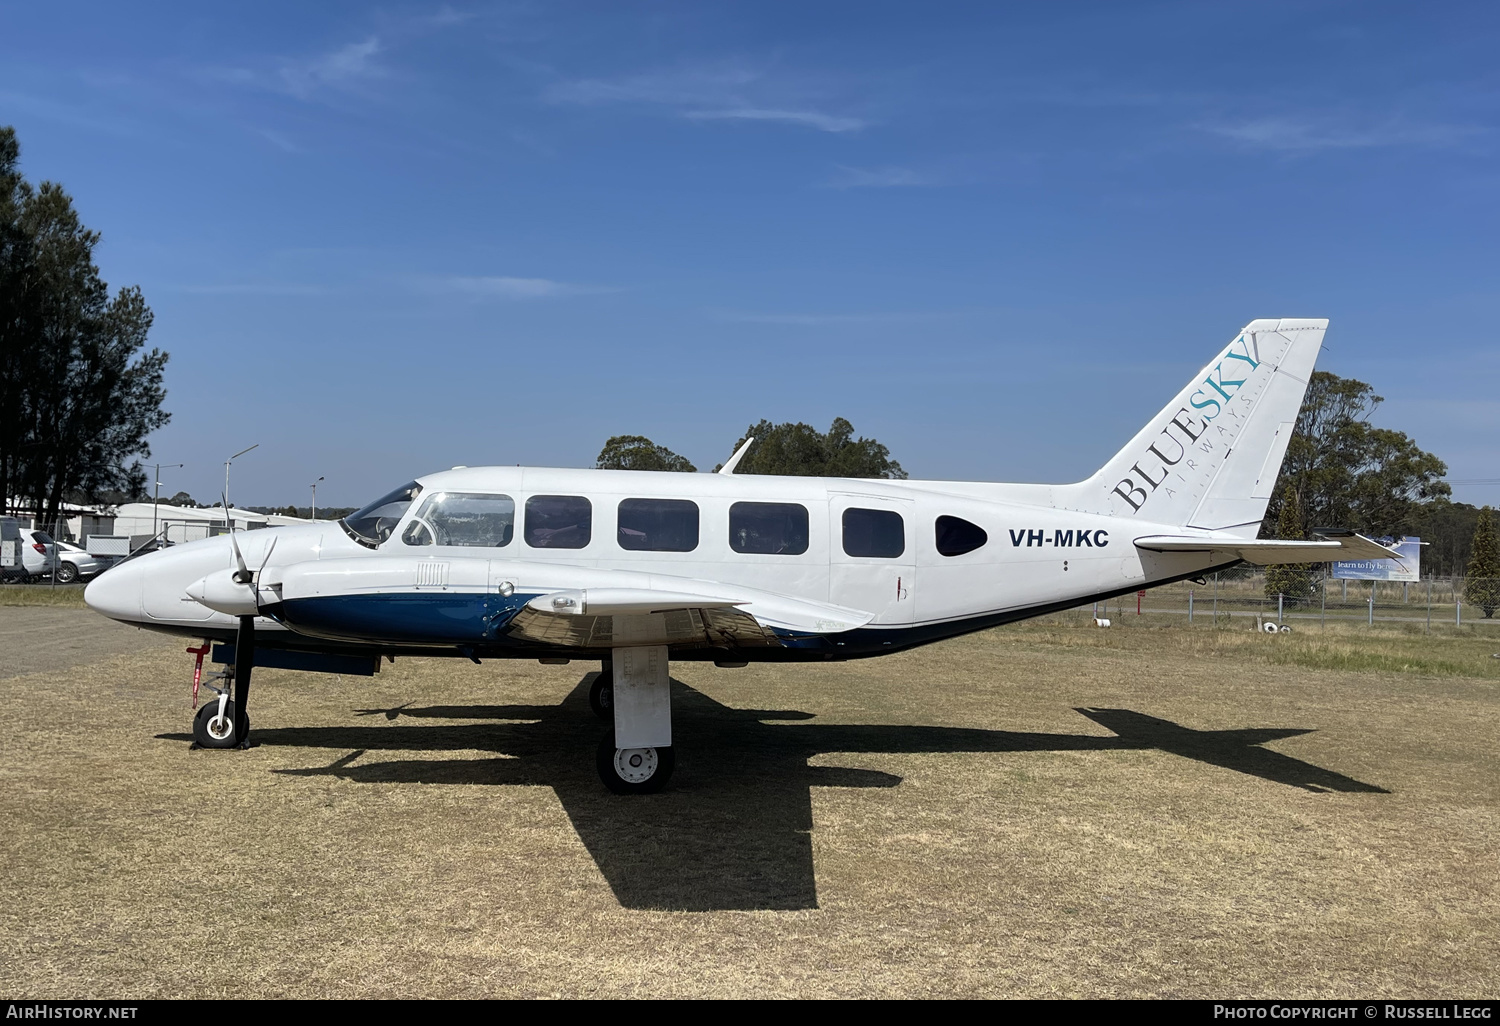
[{"x": 733, "y": 831}]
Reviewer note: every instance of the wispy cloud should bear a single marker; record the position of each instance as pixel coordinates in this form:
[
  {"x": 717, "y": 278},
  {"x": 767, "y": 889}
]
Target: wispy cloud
[
  {"x": 278, "y": 140},
  {"x": 727, "y": 92},
  {"x": 880, "y": 178},
  {"x": 811, "y": 118},
  {"x": 253, "y": 288},
  {"x": 677, "y": 87},
  {"x": 346, "y": 65},
  {"x": 343, "y": 68},
  {"x": 517, "y": 288},
  {"x": 814, "y": 320},
  {"x": 1292, "y": 134}
]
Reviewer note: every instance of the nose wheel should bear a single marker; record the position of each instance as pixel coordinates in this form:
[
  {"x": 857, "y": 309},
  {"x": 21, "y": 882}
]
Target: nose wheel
[
  {"x": 634, "y": 770},
  {"x": 213, "y": 729}
]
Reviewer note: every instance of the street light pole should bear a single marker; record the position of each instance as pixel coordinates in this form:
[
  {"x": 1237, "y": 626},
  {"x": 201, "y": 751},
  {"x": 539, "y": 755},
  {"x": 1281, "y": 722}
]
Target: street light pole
[
  {"x": 315, "y": 500},
  {"x": 228, "y": 522},
  {"x": 156, "y": 494}
]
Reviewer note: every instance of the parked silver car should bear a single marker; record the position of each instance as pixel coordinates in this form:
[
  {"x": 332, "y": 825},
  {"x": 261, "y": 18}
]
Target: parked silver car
[{"x": 76, "y": 564}]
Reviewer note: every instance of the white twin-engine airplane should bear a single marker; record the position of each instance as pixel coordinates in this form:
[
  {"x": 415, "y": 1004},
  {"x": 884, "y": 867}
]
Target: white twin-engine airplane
[{"x": 635, "y": 569}]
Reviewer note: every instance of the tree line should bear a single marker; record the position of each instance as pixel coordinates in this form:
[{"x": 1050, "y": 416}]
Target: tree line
[
  {"x": 789, "y": 449},
  {"x": 78, "y": 396}
]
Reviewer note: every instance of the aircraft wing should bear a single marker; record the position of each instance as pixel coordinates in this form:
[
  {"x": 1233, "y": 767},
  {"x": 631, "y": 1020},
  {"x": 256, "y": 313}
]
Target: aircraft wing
[
  {"x": 1330, "y": 545},
  {"x": 595, "y": 617},
  {"x": 469, "y": 600}
]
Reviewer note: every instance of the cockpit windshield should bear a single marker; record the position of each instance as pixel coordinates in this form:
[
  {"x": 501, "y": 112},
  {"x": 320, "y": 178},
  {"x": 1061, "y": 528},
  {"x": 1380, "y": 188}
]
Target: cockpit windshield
[{"x": 374, "y": 524}]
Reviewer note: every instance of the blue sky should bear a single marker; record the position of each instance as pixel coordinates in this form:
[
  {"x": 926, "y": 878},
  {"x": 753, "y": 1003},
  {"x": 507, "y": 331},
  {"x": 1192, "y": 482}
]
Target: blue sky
[{"x": 385, "y": 240}]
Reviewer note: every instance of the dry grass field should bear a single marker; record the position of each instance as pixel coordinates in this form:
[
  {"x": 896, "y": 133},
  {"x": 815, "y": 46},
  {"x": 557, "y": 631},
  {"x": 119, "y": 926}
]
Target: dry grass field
[{"x": 1043, "y": 810}]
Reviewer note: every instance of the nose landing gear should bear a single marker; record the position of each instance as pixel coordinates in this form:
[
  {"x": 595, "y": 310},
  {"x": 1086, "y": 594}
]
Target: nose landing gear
[
  {"x": 226, "y": 722},
  {"x": 214, "y": 727}
]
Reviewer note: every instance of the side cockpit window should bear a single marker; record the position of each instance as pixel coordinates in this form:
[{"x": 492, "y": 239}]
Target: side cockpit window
[
  {"x": 955, "y": 536},
  {"x": 373, "y": 524},
  {"x": 469, "y": 519}
]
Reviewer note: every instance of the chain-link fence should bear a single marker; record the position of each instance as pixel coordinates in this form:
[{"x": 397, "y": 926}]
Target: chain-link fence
[{"x": 1301, "y": 596}]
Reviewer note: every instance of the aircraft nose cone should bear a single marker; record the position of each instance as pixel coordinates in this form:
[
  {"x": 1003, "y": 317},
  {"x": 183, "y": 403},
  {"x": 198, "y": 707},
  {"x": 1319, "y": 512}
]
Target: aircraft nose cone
[{"x": 116, "y": 593}]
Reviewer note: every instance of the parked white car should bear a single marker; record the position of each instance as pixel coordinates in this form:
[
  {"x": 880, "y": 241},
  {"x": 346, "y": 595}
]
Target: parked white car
[
  {"x": 38, "y": 553},
  {"x": 76, "y": 564}
]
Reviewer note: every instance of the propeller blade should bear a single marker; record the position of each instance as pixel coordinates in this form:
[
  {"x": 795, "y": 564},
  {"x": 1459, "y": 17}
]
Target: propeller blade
[
  {"x": 241, "y": 571},
  {"x": 269, "y": 549}
]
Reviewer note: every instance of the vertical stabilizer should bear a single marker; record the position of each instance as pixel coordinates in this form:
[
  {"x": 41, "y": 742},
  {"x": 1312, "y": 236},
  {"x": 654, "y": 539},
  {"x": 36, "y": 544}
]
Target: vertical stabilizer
[{"x": 1210, "y": 458}]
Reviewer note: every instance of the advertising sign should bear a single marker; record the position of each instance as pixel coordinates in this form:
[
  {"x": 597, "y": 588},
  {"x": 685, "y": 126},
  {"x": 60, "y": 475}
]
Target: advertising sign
[{"x": 1408, "y": 569}]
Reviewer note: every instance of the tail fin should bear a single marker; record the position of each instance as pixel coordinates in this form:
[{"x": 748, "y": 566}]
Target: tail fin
[{"x": 1211, "y": 457}]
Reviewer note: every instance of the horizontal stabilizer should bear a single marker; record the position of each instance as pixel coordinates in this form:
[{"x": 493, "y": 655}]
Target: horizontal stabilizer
[{"x": 1268, "y": 551}]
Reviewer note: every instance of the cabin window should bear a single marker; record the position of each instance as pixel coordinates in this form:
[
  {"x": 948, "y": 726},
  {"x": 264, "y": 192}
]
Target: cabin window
[
  {"x": 874, "y": 532},
  {"x": 559, "y": 521},
  {"x": 463, "y": 518},
  {"x": 658, "y": 525},
  {"x": 769, "y": 527},
  {"x": 955, "y": 536},
  {"x": 374, "y": 524}
]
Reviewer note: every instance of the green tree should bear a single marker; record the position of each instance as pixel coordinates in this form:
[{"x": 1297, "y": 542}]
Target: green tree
[
  {"x": 1345, "y": 472},
  {"x": 1293, "y": 580},
  {"x": 800, "y": 450},
  {"x": 1447, "y": 529},
  {"x": 637, "y": 452},
  {"x": 78, "y": 398},
  {"x": 1482, "y": 584}
]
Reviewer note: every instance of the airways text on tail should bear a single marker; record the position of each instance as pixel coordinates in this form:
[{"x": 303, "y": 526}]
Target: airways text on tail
[{"x": 635, "y": 569}]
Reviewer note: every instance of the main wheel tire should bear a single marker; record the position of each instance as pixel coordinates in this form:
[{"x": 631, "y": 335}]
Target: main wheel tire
[
  {"x": 211, "y": 732},
  {"x": 67, "y": 573},
  {"x": 634, "y": 770},
  {"x": 602, "y": 697}
]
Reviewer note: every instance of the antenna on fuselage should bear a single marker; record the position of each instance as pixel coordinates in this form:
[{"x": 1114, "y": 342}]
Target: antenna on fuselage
[{"x": 739, "y": 453}]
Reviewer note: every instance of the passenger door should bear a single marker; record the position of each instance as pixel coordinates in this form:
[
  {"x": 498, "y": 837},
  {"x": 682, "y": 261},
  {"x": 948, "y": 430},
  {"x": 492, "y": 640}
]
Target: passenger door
[{"x": 872, "y": 555}]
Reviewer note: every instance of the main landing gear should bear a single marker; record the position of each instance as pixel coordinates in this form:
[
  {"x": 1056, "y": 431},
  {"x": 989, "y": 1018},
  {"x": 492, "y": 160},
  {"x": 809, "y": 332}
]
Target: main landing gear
[
  {"x": 225, "y": 722},
  {"x": 602, "y": 694},
  {"x": 634, "y": 690}
]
